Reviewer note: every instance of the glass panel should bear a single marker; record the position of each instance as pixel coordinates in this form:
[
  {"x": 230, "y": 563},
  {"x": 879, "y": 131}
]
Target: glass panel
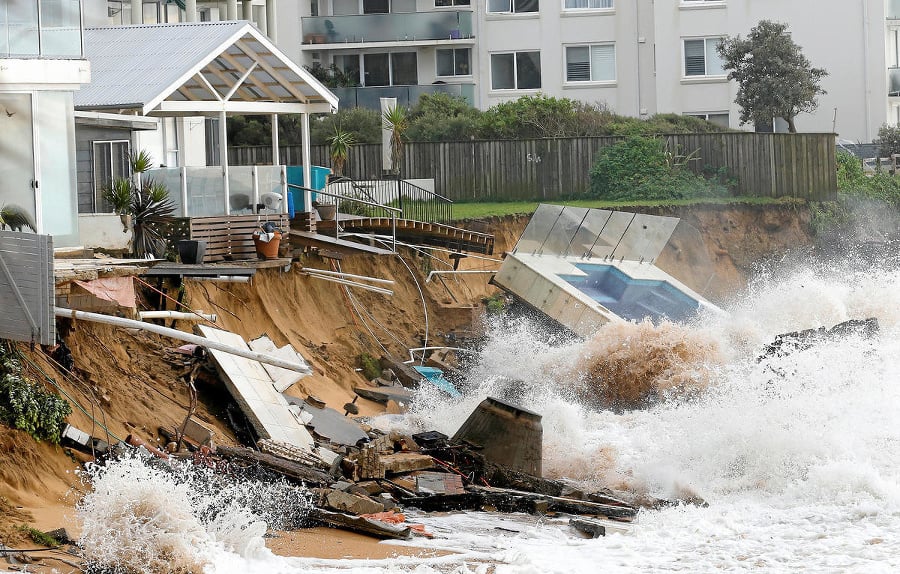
[
  {"x": 21, "y": 27},
  {"x": 376, "y": 6},
  {"x": 445, "y": 66},
  {"x": 403, "y": 6},
  {"x": 170, "y": 177},
  {"x": 694, "y": 64},
  {"x": 439, "y": 25},
  {"x": 563, "y": 231},
  {"x": 4, "y": 32},
  {"x": 206, "y": 192},
  {"x": 502, "y": 72},
  {"x": 528, "y": 70},
  {"x": 61, "y": 28},
  {"x": 499, "y": 6},
  {"x": 893, "y": 9},
  {"x": 525, "y": 5},
  {"x": 377, "y": 72},
  {"x": 713, "y": 61},
  {"x": 349, "y": 64},
  {"x": 17, "y": 153},
  {"x": 611, "y": 233},
  {"x": 404, "y": 69},
  {"x": 719, "y": 119},
  {"x": 538, "y": 228},
  {"x": 646, "y": 237},
  {"x": 603, "y": 63},
  {"x": 578, "y": 66},
  {"x": 240, "y": 190},
  {"x": 462, "y": 61},
  {"x": 59, "y": 195},
  {"x": 588, "y": 232}
]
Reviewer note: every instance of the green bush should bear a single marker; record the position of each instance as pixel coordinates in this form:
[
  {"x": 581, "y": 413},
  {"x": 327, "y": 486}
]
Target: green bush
[
  {"x": 642, "y": 168},
  {"x": 28, "y": 406},
  {"x": 854, "y": 183},
  {"x": 371, "y": 367},
  {"x": 363, "y": 123},
  {"x": 888, "y": 140},
  {"x": 442, "y": 117}
]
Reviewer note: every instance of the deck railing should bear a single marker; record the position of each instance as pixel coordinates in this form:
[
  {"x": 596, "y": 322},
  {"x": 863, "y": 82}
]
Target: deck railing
[{"x": 413, "y": 201}]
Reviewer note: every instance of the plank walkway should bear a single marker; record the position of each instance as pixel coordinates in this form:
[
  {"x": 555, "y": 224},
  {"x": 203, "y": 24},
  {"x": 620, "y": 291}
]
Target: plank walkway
[{"x": 437, "y": 234}]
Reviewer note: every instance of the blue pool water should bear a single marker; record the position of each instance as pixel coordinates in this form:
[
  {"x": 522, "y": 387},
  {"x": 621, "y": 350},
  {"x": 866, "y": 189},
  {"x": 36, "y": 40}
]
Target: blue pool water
[{"x": 632, "y": 299}]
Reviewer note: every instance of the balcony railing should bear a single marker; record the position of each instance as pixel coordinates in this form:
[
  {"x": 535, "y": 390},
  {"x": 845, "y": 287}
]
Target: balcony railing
[
  {"x": 370, "y": 97},
  {"x": 200, "y": 191},
  {"x": 387, "y": 27},
  {"x": 894, "y": 81},
  {"x": 41, "y": 29}
]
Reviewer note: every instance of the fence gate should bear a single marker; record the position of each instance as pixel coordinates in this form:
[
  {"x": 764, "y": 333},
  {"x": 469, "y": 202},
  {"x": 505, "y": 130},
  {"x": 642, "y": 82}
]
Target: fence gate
[{"x": 27, "y": 288}]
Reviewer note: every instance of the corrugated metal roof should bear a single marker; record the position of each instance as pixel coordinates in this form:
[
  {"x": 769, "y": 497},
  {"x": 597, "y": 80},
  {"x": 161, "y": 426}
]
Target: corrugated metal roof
[{"x": 134, "y": 66}]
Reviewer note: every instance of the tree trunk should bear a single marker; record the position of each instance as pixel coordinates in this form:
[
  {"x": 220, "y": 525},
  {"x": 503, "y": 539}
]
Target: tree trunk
[{"x": 791, "y": 127}]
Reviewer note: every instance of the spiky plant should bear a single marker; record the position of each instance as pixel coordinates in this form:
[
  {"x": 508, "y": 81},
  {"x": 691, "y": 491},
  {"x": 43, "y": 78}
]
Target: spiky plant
[
  {"x": 15, "y": 218},
  {"x": 339, "y": 149},
  {"x": 150, "y": 208},
  {"x": 119, "y": 194},
  {"x": 396, "y": 120}
]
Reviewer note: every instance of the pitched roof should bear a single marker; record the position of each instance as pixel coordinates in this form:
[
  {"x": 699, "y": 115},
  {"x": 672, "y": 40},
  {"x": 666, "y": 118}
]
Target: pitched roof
[{"x": 165, "y": 67}]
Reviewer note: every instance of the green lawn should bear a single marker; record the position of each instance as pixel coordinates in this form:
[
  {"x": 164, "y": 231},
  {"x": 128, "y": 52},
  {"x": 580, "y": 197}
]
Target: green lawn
[{"x": 483, "y": 209}]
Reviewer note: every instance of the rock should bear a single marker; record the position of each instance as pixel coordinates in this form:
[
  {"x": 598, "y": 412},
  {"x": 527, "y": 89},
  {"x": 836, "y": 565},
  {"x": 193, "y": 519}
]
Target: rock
[
  {"x": 405, "y": 462},
  {"x": 345, "y": 502},
  {"x": 61, "y": 535}
]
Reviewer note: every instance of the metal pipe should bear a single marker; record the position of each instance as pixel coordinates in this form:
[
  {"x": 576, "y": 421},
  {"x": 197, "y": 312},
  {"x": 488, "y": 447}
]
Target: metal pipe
[
  {"x": 178, "y": 315},
  {"x": 387, "y": 292},
  {"x": 352, "y": 276},
  {"x": 423, "y": 349},
  {"x": 221, "y": 279},
  {"x": 182, "y": 336}
]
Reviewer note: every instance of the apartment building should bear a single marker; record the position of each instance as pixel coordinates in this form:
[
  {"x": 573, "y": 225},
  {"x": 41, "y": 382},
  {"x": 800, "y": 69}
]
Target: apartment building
[{"x": 640, "y": 57}]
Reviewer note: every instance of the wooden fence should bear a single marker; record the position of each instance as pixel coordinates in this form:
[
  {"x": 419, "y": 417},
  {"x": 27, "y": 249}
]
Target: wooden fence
[{"x": 762, "y": 165}]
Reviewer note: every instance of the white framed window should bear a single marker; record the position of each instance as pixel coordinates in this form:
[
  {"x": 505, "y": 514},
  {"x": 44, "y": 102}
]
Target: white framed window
[
  {"x": 588, "y": 4},
  {"x": 512, "y": 6},
  {"x": 516, "y": 71},
  {"x": 701, "y": 3},
  {"x": 110, "y": 162},
  {"x": 701, "y": 58},
  {"x": 384, "y": 68},
  {"x": 454, "y": 62},
  {"x": 448, "y": 3},
  {"x": 591, "y": 63},
  {"x": 718, "y": 118}
]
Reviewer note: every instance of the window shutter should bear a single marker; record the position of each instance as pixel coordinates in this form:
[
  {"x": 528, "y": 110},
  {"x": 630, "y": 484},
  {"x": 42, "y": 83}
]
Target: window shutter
[{"x": 694, "y": 58}]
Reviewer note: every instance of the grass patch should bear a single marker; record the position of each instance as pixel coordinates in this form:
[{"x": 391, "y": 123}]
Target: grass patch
[
  {"x": 38, "y": 537},
  {"x": 477, "y": 210}
]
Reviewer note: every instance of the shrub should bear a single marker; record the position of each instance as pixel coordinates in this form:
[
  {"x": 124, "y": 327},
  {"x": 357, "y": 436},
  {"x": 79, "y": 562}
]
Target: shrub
[
  {"x": 888, "y": 140},
  {"x": 442, "y": 117},
  {"x": 642, "y": 168},
  {"x": 371, "y": 367},
  {"x": 362, "y": 123},
  {"x": 28, "y": 406}
]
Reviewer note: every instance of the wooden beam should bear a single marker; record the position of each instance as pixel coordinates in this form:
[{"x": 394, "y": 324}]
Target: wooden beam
[
  {"x": 253, "y": 79},
  {"x": 289, "y": 86},
  {"x": 220, "y": 73}
]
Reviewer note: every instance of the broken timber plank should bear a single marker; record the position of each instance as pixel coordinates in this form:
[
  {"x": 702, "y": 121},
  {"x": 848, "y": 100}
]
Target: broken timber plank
[
  {"x": 556, "y": 503},
  {"x": 359, "y": 524},
  {"x": 276, "y": 464}
]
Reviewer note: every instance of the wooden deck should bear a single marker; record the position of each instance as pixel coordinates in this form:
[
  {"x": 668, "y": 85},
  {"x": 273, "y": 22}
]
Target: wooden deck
[{"x": 417, "y": 231}]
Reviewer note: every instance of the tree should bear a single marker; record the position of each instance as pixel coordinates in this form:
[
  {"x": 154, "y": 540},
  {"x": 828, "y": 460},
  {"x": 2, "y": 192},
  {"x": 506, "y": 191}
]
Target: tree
[
  {"x": 775, "y": 80},
  {"x": 395, "y": 119}
]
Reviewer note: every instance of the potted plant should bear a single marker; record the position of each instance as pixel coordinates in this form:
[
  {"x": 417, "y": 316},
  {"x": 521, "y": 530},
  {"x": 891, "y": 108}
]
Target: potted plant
[
  {"x": 267, "y": 239},
  {"x": 15, "y": 218}
]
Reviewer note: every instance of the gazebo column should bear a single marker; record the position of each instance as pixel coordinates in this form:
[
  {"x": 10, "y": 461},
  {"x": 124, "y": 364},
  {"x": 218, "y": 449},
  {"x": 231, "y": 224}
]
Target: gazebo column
[
  {"x": 272, "y": 19},
  {"x": 232, "y": 10},
  {"x": 223, "y": 159},
  {"x": 276, "y": 158},
  {"x": 307, "y": 170}
]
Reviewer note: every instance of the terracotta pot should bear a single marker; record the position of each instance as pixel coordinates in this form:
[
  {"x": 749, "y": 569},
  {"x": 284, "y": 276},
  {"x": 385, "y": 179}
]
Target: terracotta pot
[
  {"x": 267, "y": 249},
  {"x": 327, "y": 212}
]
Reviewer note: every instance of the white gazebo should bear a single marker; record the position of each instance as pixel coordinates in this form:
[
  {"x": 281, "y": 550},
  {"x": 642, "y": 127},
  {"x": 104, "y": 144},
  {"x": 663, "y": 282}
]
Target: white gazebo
[{"x": 210, "y": 69}]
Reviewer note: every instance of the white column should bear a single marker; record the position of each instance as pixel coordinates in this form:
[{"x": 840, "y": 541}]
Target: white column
[
  {"x": 190, "y": 11},
  {"x": 276, "y": 159},
  {"x": 232, "y": 10},
  {"x": 223, "y": 159},
  {"x": 272, "y": 19},
  {"x": 248, "y": 10},
  {"x": 137, "y": 12},
  {"x": 307, "y": 171}
]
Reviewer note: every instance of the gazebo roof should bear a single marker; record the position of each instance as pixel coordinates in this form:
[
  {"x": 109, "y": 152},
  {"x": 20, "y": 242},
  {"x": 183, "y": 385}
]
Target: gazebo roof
[{"x": 195, "y": 69}]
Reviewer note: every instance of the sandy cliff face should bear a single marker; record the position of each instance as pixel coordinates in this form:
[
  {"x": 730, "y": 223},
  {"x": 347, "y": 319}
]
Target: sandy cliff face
[{"x": 130, "y": 381}]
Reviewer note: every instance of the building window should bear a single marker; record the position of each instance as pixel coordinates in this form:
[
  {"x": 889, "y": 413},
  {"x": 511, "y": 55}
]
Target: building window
[
  {"x": 388, "y": 69},
  {"x": 701, "y": 57},
  {"x": 719, "y": 118},
  {"x": 516, "y": 71},
  {"x": 512, "y": 6},
  {"x": 447, "y": 3},
  {"x": 454, "y": 62},
  {"x": 110, "y": 163},
  {"x": 593, "y": 63},
  {"x": 587, "y": 4}
]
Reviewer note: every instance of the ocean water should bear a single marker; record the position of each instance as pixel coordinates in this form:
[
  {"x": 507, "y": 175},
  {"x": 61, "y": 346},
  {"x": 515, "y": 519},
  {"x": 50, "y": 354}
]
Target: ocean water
[{"x": 797, "y": 454}]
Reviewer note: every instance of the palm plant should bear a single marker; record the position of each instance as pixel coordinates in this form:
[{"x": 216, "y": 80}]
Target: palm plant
[
  {"x": 151, "y": 209},
  {"x": 15, "y": 218},
  {"x": 339, "y": 149},
  {"x": 396, "y": 120}
]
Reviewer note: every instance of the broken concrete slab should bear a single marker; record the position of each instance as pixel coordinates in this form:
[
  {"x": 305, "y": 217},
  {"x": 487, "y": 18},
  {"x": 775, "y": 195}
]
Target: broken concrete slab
[
  {"x": 352, "y": 503},
  {"x": 282, "y": 379},
  {"x": 368, "y": 526},
  {"x": 251, "y": 386},
  {"x": 329, "y": 424},
  {"x": 382, "y": 395},
  {"x": 439, "y": 483},
  {"x": 508, "y": 435}
]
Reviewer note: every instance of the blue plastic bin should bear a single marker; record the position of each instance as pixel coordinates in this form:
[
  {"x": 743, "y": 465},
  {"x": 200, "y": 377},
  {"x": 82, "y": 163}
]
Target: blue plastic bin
[{"x": 319, "y": 177}]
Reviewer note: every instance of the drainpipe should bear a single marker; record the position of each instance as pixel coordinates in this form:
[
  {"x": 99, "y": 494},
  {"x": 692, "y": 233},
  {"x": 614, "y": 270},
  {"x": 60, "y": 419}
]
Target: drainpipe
[
  {"x": 223, "y": 159},
  {"x": 868, "y": 88},
  {"x": 637, "y": 39},
  {"x": 307, "y": 169}
]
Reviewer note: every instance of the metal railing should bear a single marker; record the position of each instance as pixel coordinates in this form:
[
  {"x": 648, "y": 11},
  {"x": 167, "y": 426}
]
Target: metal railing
[
  {"x": 350, "y": 203},
  {"x": 413, "y": 201},
  {"x": 415, "y": 26}
]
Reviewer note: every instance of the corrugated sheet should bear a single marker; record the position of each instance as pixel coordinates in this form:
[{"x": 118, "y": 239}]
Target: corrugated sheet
[
  {"x": 26, "y": 271},
  {"x": 133, "y": 65}
]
